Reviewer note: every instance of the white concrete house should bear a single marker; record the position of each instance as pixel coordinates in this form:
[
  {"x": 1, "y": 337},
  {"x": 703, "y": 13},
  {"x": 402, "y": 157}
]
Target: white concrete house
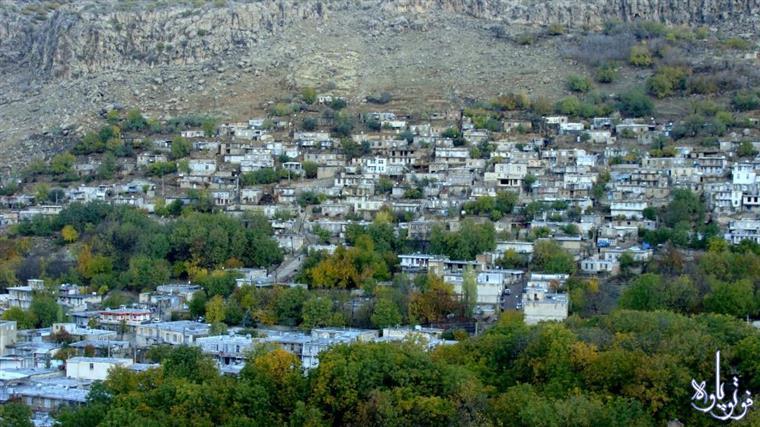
[{"x": 93, "y": 368}]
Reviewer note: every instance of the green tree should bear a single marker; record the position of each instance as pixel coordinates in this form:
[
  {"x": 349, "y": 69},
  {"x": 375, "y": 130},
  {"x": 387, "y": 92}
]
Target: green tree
[
  {"x": 317, "y": 312},
  {"x": 384, "y": 185},
  {"x": 650, "y": 213},
  {"x": 309, "y": 95},
  {"x": 189, "y": 363},
  {"x": 746, "y": 149},
  {"x": 197, "y": 304},
  {"x": 351, "y": 149},
  {"x": 310, "y": 169},
  {"x": 289, "y": 306},
  {"x": 107, "y": 167},
  {"x": 46, "y": 310},
  {"x": 549, "y": 257},
  {"x": 606, "y": 73},
  {"x": 160, "y": 169},
  {"x": 260, "y": 177},
  {"x": 215, "y": 310},
  {"x": 279, "y": 373},
  {"x": 511, "y": 259},
  {"x": 570, "y": 106},
  {"x": 209, "y": 126},
  {"x": 643, "y": 293},
  {"x": 14, "y": 414},
  {"x": 135, "y": 120},
  {"x": 626, "y": 261},
  {"x": 181, "y": 147},
  {"x": 23, "y": 319},
  {"x": 218, "y": 282},
  {"x": 62, "y": 164},
  {"x": 309, "y": 124},
  {"x": 385, "y": 313},
  {"x": 471, "y": 240},
  {"x": 146, "y": 273},
  {"x": 469, "y": 292},
  {"x": 635, "y": 103},
  {"x": 660, "y": 86},
  {"x": 685, "y": 206},
  {"x": 730, "y": 298},
  {"x": 281, "y": 109},
  {"x": 528, "y": 182}
]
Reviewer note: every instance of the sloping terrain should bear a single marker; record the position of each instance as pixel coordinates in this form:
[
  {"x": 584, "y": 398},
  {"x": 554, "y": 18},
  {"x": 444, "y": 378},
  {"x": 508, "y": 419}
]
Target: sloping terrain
[{"x": 61, "y": 63}]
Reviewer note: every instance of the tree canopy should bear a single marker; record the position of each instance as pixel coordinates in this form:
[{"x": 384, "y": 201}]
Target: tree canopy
[{"x": 625, "y": 368}]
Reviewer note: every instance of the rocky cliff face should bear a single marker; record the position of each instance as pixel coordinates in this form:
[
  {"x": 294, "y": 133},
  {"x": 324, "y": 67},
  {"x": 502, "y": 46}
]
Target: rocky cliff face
[
  {"x": 78, "y": 38},
  {"x": 63, "y": 61}
]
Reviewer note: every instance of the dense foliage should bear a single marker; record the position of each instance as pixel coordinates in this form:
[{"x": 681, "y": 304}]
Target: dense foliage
[
  {"x": 121, "y": 247},
  {"x": 627, "y": 368}
]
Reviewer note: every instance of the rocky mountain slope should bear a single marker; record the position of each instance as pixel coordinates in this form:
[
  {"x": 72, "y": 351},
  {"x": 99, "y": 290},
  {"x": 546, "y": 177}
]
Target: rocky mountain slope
[{"x": 61, "y": 62}]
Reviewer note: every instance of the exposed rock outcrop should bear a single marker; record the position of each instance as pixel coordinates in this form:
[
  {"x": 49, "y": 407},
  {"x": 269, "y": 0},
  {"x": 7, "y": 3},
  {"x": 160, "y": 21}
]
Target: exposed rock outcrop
[
  {"x": 79, "y": 37},
  {"x": 62, "y": 62}
]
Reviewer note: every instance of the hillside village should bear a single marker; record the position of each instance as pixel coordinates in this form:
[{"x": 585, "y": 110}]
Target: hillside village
[{"x": 547, "y": 198}]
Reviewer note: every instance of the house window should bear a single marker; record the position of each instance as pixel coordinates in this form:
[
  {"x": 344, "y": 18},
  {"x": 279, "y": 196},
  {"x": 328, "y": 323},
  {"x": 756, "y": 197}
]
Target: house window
[{"x": 92, "y": 366}]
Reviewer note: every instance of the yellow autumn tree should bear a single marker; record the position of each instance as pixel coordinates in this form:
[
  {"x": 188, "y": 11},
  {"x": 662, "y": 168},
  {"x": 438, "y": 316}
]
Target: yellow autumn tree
[
  {"x": 434, "y": 302},
  {"x": 337, "y": 271},
  {"x": 69, "y": 234},
  {"x": 279, "y": 372},
  {"x": 215, "y": 310},
  {"x": 89, "y": 265}
]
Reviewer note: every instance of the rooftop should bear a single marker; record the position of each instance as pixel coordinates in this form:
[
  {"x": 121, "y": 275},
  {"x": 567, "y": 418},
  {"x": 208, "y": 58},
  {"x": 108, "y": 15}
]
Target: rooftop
[
  {"x": 185, "y": 326},
  {"x": 114, "y": 360}
]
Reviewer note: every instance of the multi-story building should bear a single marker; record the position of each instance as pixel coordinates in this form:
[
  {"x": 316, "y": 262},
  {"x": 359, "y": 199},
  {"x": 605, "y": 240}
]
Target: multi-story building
[
  {"x": 540, "y": 300},
  {"x": 124, "y": 316},
  {"x": 743, "y": 229},
  {"x": 181, "y": 332},
  {"x": 21, "y": 296}
]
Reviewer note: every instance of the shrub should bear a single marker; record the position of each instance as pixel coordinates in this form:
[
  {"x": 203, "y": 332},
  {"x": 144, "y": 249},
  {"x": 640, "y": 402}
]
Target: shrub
[
  {"x": 649, "y": 29},
  {"x": 541, "y": 106},
  {"x": 510, "y": 102},
  {"x": 746, "y": 100},
  {"x": 640, "y": 56},
  {"x": 374, "y": 124},
  {"x": 570, "y": 106},
  {"x": 344, "y": 125},
  {"x": 525, "y": 39},
  {"x": 660, "y": 86},
  {"x": 702, "y": 85},
  {"x": 556, "y": 29},
  {"x": 635, "y": 103},
  {"x": 736, "y": 43},
  {"x": 382, "y": 98},
  {"x": 500, "y": 32},
  {"x": 309, "y": 124},
  {"x": 450, "y": 133},
  {"x": 577, "y": 83},
  {"x": 606, "y": 73},
  {"x": 338, "y": 104},
  {"x": 746, "y": 149},
  {"x": 309, "y": 95},
  {"x": 281, "y": 109},
  {"x": 679, "y": 33},
  {"x": 260, "y": 177}
]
